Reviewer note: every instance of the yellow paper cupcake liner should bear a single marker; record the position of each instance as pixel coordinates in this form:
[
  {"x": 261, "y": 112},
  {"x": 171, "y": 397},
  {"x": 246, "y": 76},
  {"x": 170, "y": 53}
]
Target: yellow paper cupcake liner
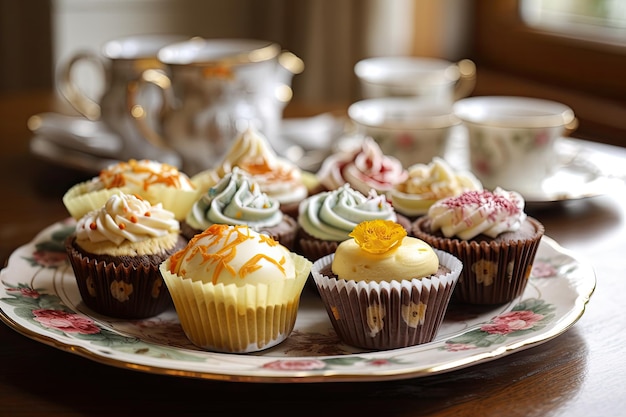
[
  {"x": 237, "y": 319},
  {"x": 80, "y": 199},
  {"x": 173, "y": 199}
]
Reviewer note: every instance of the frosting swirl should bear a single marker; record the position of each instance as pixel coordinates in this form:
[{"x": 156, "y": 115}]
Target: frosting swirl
[
  {"x": 478, "y": 212},
  {"x": 123, "y": 218},
  {"x": 332, "y": 215},
  {"x": 364, "y": 167},
  {"x": 235, "y": 199},
  {"x": 278, "y": 178},
  {"x": 427, "y": 183}
]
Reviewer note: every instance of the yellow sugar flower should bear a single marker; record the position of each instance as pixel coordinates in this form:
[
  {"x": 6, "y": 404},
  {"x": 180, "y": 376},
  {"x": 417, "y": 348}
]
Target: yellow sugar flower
[{"x": 378, "y": 236}]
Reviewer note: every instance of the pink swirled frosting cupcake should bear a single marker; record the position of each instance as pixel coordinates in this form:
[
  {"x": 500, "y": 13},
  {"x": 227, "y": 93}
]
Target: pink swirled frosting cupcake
[
  {"x": 364, "y": 167},
  {"x": 493, "y": 237}
]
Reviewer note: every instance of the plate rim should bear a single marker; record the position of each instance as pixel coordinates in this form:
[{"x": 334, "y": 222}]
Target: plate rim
[{"x": 565, "y": 322}]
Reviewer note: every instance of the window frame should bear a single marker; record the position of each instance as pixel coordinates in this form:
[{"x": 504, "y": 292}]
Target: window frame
[{"x": 515, "y": 59}]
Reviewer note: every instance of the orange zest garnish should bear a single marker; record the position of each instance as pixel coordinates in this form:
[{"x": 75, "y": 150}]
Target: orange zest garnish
[
  {"x": 229, "y": 237},
  {"x": 378, "y": 236}
]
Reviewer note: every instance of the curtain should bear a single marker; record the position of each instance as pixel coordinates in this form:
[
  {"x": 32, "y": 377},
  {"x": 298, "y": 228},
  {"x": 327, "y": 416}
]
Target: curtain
[{"x": 330, "y": 36}]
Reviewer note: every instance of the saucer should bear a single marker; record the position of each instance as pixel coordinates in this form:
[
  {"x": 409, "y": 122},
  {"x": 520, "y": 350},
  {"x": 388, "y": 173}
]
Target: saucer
[
  {"x": 82, "y": 144},
  {"x": 43, "y": 148},
  {"x": 585, "y": 173},
  {"x": 78, "y": 133}
]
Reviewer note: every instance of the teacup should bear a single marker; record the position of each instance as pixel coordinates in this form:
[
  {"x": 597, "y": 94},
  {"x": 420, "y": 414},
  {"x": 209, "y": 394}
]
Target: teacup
[
  {"x": 212, "y": 90},
  {"x": 511, "y": 139},
  {"x": 436, "y": 80},
  {"x": 414, "y": 131},
  {"x": 119, "y": 62}
]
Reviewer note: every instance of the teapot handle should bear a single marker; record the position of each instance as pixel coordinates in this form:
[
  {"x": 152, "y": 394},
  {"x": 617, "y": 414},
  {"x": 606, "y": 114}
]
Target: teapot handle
[
  {"x": 467, "y": 79},
  {"x": 70, "y": 89},
  {"x": 138, "y": 113}
]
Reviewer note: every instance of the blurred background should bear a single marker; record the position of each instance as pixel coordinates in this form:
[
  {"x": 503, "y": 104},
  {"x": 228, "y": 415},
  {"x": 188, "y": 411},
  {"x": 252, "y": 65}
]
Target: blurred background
[{"x": 569, "y": 51}]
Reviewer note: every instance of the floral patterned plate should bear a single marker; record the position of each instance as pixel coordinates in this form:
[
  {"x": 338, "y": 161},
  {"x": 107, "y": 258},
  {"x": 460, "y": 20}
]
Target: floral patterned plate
[{"x": 39, "y": 298}]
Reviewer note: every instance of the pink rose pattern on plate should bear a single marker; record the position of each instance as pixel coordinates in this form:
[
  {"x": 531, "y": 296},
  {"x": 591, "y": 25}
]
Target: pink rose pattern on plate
[{"x": 157, "y": 338}]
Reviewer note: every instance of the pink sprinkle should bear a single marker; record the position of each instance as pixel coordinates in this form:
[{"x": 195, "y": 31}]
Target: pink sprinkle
[{"x": 482, "y": 198}]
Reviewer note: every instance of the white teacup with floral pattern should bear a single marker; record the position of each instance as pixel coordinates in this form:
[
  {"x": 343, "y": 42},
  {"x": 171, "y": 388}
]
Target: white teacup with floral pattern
[
  {"x": 412, "y": 130},
  {"x": 512, "y": 139}
]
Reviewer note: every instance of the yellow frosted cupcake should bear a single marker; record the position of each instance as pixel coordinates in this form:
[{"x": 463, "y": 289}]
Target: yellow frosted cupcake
[
  {"x": 235, "y": 290},
  {"x": 154, "y": 181},
  {"x": 383, "y": 289},
  {"x": 428, "y": 183}
]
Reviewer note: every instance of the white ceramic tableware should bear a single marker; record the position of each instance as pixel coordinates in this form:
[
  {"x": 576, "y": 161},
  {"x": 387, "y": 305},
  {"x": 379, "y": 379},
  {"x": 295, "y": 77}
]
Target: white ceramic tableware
[
  {"x": 213, "y": 89},
  {"x": 436, "y": 80},
  {"x": 411, "y": 130},
  {"x": 119, "y": 62},
  {"x": 512, "y": 139}
]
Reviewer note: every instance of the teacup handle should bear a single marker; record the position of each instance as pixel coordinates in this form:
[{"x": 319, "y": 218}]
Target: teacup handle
[
  {"x": 467, "y": 79},
  {"x": 571, "y": 127},
  {"x": 72, "y": 92},
  {"x": 138, "y": 112}
]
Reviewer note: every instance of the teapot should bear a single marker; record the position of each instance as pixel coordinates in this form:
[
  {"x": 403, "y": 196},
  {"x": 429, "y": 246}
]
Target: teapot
[
  {"x": 212, "y": 90},
  {"x": 120, "y": 61}
]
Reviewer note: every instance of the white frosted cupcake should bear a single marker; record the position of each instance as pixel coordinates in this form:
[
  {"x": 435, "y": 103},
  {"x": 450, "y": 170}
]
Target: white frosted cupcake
[
  {"x": 154, "y": 181},
  {"x": 493, "y": 237},
  {"x": 115, "y": 254},
  {"x": 235, "y": 290},
  {"x": 383, "y": 289}
]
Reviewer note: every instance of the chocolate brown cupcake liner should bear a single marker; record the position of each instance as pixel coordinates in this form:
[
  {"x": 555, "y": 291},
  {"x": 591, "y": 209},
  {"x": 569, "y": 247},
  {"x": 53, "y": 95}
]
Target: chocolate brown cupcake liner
[
  {"x": 390, "y": 314},
  {"x": 314, "y": 249},
  {"x": 118, "y": 290},
  {"x": 493, "y": 272}
]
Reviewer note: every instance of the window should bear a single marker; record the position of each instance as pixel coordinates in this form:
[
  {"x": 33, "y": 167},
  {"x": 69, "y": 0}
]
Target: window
[
  {"x": 603, "y": 21},
  {"x": 518, "y": 53}
]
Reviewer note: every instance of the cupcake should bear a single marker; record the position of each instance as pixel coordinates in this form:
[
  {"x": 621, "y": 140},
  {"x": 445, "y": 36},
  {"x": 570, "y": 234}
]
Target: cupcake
[
  {"x": 383, "y": 289},
  {"x": 279, "y": 178},
  {"x": 236, "y": 199},
  {"x": 427, "y": 183},
  {"x": 235, "y": 290},
  {"x": 154, "y": 181},
  {"x": 115, "y": 253},
  {"x": 362, "y": 164},
  {"x": 493, "y": 237},
  {"x": 327, "y": 218}
]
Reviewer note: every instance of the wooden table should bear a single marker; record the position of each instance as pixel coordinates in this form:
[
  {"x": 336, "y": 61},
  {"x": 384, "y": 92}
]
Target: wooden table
[{"x": 580, "y": 373}]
